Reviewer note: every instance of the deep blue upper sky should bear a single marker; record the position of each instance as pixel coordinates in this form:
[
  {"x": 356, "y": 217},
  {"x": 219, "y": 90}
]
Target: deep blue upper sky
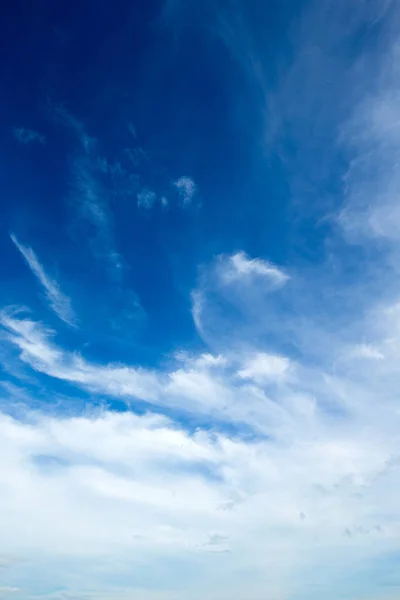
[
  {"x": 199, "y": 300},
  {"x": 176, "y": 82},
  {"x": 193, "y": 111}
]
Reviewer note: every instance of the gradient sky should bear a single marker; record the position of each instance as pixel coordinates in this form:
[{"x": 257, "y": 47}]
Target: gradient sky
[{"x": 200, "y": 300}]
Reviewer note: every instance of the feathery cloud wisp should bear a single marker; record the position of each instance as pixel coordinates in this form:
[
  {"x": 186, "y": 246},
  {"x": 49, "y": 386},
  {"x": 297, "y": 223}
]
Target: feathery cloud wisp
[
  {"x": 58, "y": 301},
  {"x": 241, "y": 266},
  {"x": 28, "y": 136}
]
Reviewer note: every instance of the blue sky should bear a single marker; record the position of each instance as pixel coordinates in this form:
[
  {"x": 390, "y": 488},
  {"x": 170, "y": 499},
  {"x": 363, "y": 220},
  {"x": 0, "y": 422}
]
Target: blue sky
[{"x": 200, "y": 307}]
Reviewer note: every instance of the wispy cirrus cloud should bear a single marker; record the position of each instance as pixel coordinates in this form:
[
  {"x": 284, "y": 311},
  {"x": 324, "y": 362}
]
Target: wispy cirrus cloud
[
  {"x": 371, "y": 138},
  {"x": 44, "y": 356},
  {"x": 89, "y": 188},
  {"x": 240, "y": 266},
  {"x": 97, "y": 182},
  {"x": 88, "y": 195},
  {"x": 28, "y": 136},
  {"x": 57, "y": 300},
  {"x": 59, "y": 113},
  {"x": 244, "y": 285}
]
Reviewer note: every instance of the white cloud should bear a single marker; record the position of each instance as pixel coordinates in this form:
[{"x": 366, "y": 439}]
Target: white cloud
[
  {"x": 199, "y": 387},
  {"x": 368, "y": 351},
  {"x": 311, "y": 490},
  {"x": 371, "y": 136},
  {"x": 197, "y": 310},
  {"x": 120, "y": 493},
  {"x": 240, "y": 266},
  {"x": 263, "y": 368},
  {"x": 146, "y": 198},
  {"x": 28, "y": 136},
  {"x": 186, "y": 188},
  {"x": 37, "y": 350},
  {"x": 368, "y": 138},
  {"x": 58, "y": 302},
  {"x": 247, "y": 290},
  {"x": 95, "y": 486},
  {"x": 205, "y": 360}
]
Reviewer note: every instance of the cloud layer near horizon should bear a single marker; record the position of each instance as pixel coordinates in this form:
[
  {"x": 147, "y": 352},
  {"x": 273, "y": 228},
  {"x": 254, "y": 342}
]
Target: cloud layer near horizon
[{"x": 306, "y": 479}]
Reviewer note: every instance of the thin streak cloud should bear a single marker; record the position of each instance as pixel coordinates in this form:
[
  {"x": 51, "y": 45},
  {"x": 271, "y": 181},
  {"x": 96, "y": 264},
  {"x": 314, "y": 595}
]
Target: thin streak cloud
[{"x": 59, "y": 303}]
